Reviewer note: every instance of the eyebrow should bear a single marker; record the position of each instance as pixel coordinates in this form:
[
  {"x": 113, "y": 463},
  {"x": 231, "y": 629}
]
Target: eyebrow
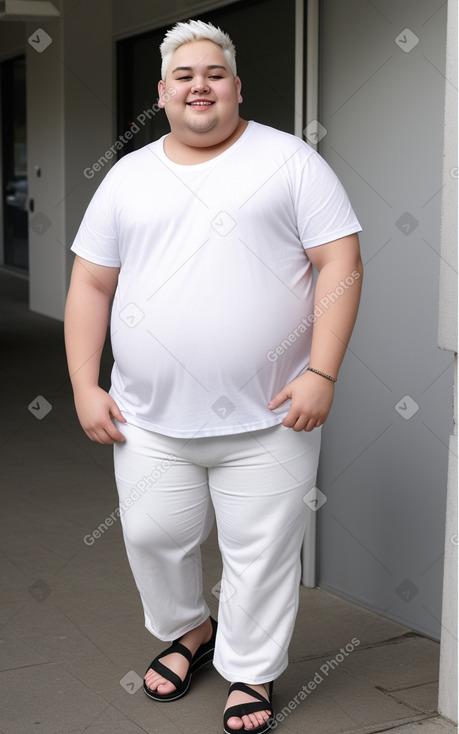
[{"x": 190, "y": 68}]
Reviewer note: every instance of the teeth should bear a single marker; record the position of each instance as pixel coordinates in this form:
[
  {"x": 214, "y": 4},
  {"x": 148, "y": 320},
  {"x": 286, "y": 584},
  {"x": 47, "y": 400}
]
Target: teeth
[{"x": 201, "y": 104}]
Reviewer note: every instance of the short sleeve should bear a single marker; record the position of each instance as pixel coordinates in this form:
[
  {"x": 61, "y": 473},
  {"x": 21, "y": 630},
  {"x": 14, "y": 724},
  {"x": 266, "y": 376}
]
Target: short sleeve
[
  {"x": 97, "y": 238},
  {"x": 324, "y": 212}
]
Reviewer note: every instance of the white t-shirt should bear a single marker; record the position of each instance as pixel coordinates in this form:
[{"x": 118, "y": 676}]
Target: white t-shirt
[{"x": 210, "y": 316}]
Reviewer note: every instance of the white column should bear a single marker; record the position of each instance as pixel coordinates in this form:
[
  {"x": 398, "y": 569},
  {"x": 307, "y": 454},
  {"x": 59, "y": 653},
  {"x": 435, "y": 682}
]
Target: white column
[
  {"x": 45, "y": 147},
  {"x": 70, "y": 125}
]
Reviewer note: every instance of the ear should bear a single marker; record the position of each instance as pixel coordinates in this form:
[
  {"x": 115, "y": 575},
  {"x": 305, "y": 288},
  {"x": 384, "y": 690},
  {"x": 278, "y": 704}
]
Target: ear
[
  {"x": 238, "y": 89},
  {"x": 161, "y": 93}
]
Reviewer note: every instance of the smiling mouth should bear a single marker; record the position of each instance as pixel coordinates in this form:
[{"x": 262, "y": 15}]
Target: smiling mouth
[{"x": 200, "y": 104}]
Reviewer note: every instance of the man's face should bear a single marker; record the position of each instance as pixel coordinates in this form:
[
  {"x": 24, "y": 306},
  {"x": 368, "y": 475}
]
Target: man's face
[{"x": 200, "y": 95}]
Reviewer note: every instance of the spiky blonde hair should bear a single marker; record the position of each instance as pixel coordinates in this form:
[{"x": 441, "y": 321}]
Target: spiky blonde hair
[{"x": 195, "y": 30}]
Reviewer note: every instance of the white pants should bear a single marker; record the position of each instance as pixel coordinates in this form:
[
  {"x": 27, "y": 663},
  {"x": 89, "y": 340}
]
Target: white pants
[{"x": 169, "y": 490}]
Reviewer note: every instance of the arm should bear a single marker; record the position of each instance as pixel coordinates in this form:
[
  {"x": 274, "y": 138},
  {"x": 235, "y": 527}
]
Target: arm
[
  {"x": 311, "y": 394},
  {"x": 86, "y": 319}
]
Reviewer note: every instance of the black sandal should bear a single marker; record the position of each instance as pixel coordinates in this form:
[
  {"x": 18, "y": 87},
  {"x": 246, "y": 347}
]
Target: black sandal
[
  {"x": 204, "y": 654},
  {"x": 250, "y": 707}
]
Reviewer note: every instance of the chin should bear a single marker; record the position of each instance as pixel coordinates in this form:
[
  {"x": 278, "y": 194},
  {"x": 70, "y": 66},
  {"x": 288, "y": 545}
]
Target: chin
[
  {"x": 202, "y": 125},
  {"x": 204, "y": 136}
]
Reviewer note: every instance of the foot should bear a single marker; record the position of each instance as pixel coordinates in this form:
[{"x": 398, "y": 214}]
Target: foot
[
  {"x": 176, "y": 662},
  {"x": 250, "y": 721}
]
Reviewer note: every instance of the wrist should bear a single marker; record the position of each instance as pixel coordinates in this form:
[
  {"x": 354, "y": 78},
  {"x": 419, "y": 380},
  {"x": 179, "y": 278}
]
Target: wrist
[
  {"x": 82, "y": 386},
  {"x": 322, "y": 374}
]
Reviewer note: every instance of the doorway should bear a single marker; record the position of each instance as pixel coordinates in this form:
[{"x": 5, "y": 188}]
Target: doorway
[{"x": 14, "y": 156}]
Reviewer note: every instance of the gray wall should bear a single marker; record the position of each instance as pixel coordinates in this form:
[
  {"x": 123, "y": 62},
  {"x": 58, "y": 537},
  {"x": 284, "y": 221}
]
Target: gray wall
[
  {"x": 69, "y": 126},
  {"x": 383, "y": 468},
  {"x": 447, "y": 339}
]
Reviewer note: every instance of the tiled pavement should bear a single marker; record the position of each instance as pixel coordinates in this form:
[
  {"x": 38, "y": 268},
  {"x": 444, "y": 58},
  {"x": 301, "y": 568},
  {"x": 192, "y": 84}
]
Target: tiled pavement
[{"x": 73, "y": 642}]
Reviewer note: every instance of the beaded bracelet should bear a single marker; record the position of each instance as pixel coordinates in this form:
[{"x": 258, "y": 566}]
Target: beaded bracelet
[{"x": 318, "y": 372}]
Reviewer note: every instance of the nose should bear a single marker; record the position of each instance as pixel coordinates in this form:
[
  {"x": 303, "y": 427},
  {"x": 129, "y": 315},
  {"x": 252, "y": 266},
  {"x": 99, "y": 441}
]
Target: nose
[{"x": 200, "y": 86}]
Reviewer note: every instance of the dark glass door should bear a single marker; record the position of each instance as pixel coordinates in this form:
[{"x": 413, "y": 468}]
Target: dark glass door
[{"x": 14, "y": 155}]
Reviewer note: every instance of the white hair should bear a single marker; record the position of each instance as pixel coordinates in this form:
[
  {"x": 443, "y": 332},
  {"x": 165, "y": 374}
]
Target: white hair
[{"x": 195, "y": 30}]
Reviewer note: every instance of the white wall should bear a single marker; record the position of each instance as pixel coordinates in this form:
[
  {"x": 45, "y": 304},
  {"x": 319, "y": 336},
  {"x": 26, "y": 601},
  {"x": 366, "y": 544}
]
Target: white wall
[{"x": 383, "y": 470}]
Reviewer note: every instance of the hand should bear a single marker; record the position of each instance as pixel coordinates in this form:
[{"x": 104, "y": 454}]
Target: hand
[
  {"x": 311, "y": 396},
  {"x": 95, "y": 409}
]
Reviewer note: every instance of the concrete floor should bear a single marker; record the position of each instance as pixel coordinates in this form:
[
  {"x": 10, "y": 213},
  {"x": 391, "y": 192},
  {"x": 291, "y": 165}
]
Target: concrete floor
[{"x": 73, "y": 641}]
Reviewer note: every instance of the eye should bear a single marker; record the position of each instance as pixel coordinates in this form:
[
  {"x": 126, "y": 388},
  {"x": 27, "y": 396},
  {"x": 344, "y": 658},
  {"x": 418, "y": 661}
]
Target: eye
[
  {"x": 215, "y": 76},
  {"x": 183, "y": 78}
]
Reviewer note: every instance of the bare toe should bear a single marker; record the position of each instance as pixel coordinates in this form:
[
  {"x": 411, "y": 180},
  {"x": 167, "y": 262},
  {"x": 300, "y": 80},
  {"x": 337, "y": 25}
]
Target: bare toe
[
  {"x": 235, "y": 723},
  {"x": 247, "y": 721}
]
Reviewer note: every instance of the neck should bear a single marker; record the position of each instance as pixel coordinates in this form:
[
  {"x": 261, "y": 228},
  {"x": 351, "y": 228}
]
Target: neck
[{"x": 186, "y": 153}]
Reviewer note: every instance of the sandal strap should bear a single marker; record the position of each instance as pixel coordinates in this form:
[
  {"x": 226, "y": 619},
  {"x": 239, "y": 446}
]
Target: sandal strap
[
  {"x": 166, "y": 672},
  {"x": 250, "y": 707},
  {"x": 250, "y": 691},
  {"x": 244, "y": 709},
  {"x": 177, "y": 647}
]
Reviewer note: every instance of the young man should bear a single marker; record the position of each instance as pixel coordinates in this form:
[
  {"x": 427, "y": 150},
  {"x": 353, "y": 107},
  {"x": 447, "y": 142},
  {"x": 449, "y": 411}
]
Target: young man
[{"x": 225, "y": 364}]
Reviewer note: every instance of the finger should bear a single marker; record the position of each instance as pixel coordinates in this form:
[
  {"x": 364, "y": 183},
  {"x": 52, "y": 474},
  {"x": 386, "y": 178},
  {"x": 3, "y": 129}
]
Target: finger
[
  {"x": 105, "y": 434},
  {"x": 116, "y": 413},
  {"x": 100, "y": 436},
  {"x": 278, "y": 399},
  {"x": 302, "y": 421},
  {"x": 310, "y": 425},
  {"x": 94, "y": 436},
  {"x": 113, "y": 433},
  {"x": 301, "y": 424},
  {"x": 290, "y": 419}
]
